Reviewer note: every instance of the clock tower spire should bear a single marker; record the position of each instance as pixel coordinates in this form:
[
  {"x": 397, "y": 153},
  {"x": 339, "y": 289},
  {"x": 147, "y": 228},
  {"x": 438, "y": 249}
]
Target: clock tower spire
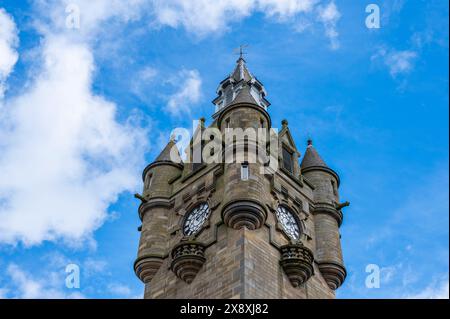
[{"x": 230, "y": 229}]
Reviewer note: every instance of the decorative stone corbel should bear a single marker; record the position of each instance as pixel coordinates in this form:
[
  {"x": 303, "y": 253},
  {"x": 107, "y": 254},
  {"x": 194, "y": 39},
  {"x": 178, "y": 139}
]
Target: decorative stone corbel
[
  {"x": 297, "y": 262},
  {"x": 244, "y": 213},
  {"x": 188, "y": 258},
  {"x": 147, "y": 266}
]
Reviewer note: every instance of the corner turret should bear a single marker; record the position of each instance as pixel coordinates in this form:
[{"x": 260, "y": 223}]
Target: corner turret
[
  {"x": 327, "y": 216},
  {"x": 155, "y": 209}
]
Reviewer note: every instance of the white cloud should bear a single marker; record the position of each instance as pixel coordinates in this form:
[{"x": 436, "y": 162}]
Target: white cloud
[
  {"x": 390, "y": 9},
  {"x": 203, "y": 17},
  {"x": 25, "y": 286},
  {"x": 188, "y": 93},
  {"x": 436, "y": 290},
  {"x": 398, "y": 62},
  {"x": 48, "y": 279},
  {"x": 388, "y": 273},
  {"x": 54, "y": 15},
  {"x": 142, "y": 83},
  {"x": 64, "y": 157},
  {"x": 285, "y": 9},
  {"x": 9, "y": 42},
  {"x": 94, "y": 266},
  {"x": 147, "y": 74},
  {"x": 329, "y": 15},
  {"x": 120, "y": 290}
]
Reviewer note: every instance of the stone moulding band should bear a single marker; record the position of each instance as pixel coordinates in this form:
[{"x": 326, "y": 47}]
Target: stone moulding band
[
  {"x": 158, "y": 163},
  {"x": 244, "y": 213},
  {"x": 226, "y": 110},
  {"x": 152, "y": 203},
  {"x": 147, "y": 266},
  {"x": 325, "y": 208},
  {"x": 321, "y": 168}
]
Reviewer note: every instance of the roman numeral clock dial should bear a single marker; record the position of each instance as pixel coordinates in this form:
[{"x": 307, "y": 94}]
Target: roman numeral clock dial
[
  {"x": 195, "y": 219},
  {"x": 288, "y": 222}
]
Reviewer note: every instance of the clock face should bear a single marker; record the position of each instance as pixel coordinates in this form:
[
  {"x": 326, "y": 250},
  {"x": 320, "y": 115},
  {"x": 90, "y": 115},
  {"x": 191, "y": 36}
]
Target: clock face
[
  {"x": 288, "y": 222},
  {"x": 195, "y": 219}
]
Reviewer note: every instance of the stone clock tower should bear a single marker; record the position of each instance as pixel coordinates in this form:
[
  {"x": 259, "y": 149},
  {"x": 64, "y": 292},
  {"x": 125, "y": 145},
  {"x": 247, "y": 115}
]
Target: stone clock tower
[{"x": 239, "y": 227}]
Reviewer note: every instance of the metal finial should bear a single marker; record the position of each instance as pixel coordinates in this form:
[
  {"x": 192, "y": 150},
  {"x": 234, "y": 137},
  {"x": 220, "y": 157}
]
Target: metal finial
[{"x": 241, "y": 51}]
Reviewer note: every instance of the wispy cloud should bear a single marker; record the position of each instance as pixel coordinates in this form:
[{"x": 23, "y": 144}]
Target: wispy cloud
[
  {"x": 187, "y": 94},
  {"x": 221, "y": 14},
  {"x": 403, "y": 237},
  {"x": 64, "y": 157},
  {"x": 25, "y": 285},
  {"x": 119, "y": 290},
  {"x": 48, "y": 279},
  {"x": 438, "y": 289},
  {"x": 398, "y": 62},
  {"x": 390, "y": 9},
  {"x": 9, "y": 42},
  {"x": 401, "y": 62},
  {"x": 143, "y": 82},
  {"x": 329, "y": 15}
]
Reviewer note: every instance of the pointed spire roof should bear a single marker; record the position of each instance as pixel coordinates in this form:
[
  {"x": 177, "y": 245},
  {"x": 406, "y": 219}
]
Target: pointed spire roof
[
  {"x": 241, "y": 71},
  {"x": 244, "y": 96},
  {"x": 165, "y": 158},
  {"x": 165, "y": 155},
  {"x": 312, "y": 158},
  {"x": 240, "y": 86},
  {"x": 313, "y": 162}
]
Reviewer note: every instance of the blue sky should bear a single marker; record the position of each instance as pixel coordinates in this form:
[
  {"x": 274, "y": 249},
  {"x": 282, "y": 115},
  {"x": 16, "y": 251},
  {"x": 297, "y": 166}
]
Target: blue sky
[{"x": 82, "y": 110}]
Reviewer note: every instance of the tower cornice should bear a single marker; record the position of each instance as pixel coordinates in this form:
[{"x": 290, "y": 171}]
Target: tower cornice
[
  {"x": 220, "y": 115},
  {"x": 160, "y": 163}
]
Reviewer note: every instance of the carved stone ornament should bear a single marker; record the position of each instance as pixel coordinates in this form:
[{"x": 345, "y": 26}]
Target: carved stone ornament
[
  {"x": 244, "y": 213},
  {"x": 187, "y": 259},
  {"x": 333, "y": 273},
  {"x": 147, "y": 266},
  {"x": 297, "y": 262}
]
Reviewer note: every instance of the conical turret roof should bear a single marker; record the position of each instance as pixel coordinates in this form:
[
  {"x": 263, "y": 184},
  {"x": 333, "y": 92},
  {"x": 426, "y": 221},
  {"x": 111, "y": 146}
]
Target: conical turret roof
[
  {"x": 167, "y": 155},
  {"x": 312, "y": 158}
]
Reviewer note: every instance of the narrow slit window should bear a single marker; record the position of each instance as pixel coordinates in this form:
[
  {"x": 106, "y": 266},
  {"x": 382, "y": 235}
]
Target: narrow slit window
[
  {"x": 244, "y": 171},
  {"x": 197, "y": 157},
  {"x": 148, "y": 182},
  {"x": 333, "y": 186},
  {"x": 287, "y": 160}
]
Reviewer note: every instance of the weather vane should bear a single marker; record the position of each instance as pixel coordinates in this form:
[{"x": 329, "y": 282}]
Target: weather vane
[{"x": 241, "y": 50}]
